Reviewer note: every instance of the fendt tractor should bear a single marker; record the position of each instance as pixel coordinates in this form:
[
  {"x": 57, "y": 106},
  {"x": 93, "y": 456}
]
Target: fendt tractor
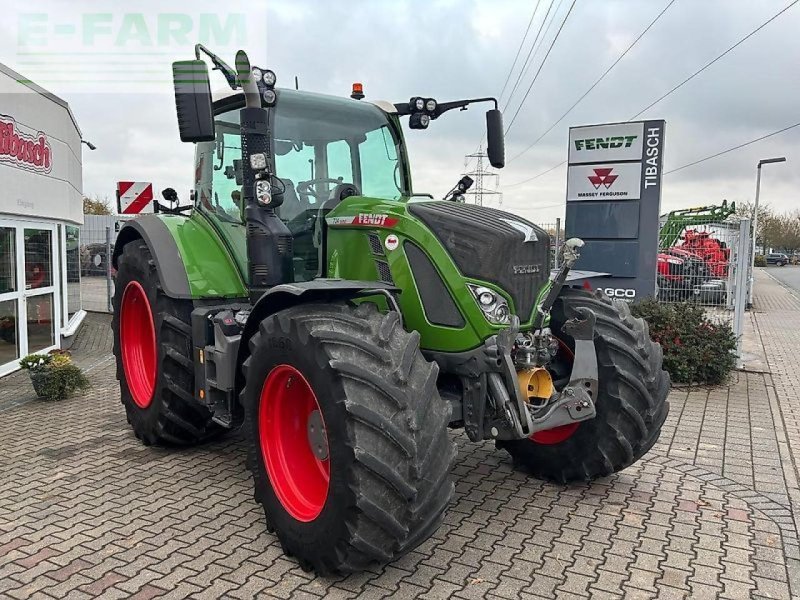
[{"x": 346, "y": 323}]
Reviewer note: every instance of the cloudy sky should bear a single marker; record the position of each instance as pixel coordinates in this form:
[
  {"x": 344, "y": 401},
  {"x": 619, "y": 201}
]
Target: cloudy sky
[{"x": 451, "y": 49}]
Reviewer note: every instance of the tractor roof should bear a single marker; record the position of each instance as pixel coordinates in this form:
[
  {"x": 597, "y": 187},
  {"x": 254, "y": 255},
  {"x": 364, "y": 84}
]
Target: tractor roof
[{"x": 225, "y": 93}]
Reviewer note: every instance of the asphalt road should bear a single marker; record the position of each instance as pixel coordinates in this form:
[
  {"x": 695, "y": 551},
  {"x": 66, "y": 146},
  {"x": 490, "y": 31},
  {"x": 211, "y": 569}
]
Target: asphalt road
[{"x": 789, "y": 275}]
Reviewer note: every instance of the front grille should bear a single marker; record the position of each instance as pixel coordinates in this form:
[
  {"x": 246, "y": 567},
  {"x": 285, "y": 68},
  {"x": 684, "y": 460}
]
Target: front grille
[
  {"x": 375, "y": 244},
  {"x": 438, "y": 303},
  {"x": 384, "y": 273},
  {"x": 490, "y": 245}
]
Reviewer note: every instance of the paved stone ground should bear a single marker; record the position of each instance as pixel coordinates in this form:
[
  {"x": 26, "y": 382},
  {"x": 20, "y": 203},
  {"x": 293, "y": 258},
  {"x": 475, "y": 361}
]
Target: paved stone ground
[{"x": 86, "y": 511}]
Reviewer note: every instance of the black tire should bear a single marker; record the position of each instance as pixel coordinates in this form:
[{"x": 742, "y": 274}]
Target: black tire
[
  {"x": 386, "y": 426},
  {"x": 173, "y": 417},
  {"x": 632, "y": 398}
]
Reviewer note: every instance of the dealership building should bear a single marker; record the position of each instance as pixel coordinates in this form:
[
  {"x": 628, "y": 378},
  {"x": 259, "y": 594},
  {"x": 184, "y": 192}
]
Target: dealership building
[{"x": 41, "y": 211}]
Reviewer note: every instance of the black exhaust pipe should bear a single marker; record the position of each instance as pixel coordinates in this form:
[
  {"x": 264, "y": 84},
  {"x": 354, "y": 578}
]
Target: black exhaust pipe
[{"x": 269, "y": 241}]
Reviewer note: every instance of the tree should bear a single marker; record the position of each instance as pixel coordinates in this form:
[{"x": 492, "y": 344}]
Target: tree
[
  {"x": 787, "y": 238},
  {"x": 768, "y": 225},
  {"x": 96, "y": 206}
]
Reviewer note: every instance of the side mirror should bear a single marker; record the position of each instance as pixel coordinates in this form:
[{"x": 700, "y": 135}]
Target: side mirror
[
  {"x": 495, "y": 142},
  {"x": 193, "y": 100},
  {"x": 169, "y": 194}
]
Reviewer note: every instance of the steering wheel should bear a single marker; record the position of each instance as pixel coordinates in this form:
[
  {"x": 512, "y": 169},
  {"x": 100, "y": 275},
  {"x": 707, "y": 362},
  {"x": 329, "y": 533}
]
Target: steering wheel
[{"x": 309, "y": 188}]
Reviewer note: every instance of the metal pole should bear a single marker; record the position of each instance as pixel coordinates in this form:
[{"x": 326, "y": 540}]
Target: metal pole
[
  {"x": 557, "y": 241},
  {"x": 109, "y": 283},
  {"x": 740, "y": 295},
  {"x": 752, "y": 261}
]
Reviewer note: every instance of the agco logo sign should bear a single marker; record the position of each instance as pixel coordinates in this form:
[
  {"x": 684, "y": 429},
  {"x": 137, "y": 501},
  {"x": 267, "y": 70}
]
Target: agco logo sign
[
  {"x": 604, "y": 143},
  {"x": 602, "y": 177},
  {"x": 31, "y": 151},
  {"x": 620, "y": 293}
]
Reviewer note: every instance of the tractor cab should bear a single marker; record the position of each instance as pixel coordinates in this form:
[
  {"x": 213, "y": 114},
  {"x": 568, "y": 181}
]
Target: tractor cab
[{"x": 326, "y": 149}]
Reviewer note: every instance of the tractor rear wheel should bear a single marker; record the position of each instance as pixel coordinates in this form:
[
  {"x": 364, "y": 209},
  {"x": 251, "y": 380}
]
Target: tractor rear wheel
[
  {"x": 153, "y": 348},
  {"x": 631, "y": 404},
  {"x": 348, "y": 435}
]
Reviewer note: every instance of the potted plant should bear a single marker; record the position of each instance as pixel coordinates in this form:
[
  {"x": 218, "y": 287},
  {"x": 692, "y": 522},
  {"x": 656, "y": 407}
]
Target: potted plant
[{"x": 54, "y": 376}]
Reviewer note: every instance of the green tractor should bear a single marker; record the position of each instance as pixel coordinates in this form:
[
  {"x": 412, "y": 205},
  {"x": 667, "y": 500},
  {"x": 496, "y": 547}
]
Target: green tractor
[{"x": 347, "y": 324}]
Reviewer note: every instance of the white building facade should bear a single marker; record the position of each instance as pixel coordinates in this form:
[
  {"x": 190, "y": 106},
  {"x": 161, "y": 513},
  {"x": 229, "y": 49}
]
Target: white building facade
[{"x": 41, "y": 211}]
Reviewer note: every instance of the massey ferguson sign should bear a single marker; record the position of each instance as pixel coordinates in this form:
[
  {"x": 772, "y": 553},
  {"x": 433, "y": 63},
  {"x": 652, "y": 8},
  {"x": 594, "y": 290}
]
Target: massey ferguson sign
[
  {"x": 613, "y": 201},
  {"x": 24, "y": 148},
  {"x": 620, "y": 181}
]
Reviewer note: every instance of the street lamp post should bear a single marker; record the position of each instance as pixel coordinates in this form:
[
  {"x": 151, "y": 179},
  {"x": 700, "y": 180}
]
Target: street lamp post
[{"x": 764, "y": 161}]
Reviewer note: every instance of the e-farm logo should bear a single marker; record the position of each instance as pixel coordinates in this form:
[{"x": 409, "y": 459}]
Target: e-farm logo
[
  {"x": 132, "y": 30},
  {"x": 602, "y": 143},
  {"x": 127, "y": 49}
]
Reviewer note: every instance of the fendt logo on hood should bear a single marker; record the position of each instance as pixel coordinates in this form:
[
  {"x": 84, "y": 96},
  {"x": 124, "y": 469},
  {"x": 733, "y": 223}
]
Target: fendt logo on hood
[
  {"x": 602, "y": 143},
  {"x": 26, "y": 151},
  {"x": 602, "y": 177}
]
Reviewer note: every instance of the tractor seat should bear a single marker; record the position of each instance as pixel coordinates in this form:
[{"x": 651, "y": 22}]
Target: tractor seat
[{"x": 292, "y": 206}]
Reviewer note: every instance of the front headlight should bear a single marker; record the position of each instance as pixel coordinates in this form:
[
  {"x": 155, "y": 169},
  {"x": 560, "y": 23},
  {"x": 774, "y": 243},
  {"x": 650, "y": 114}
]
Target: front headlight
[{"x": 493, "y": 306}]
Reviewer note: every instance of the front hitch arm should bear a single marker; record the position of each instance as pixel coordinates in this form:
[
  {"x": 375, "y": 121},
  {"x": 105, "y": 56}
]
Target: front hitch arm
[{"x": 575, "y": 403}]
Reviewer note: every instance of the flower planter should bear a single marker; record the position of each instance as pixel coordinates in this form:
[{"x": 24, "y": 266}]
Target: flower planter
[
  {"x": 54, "y": 376},
  {"x": 43, "y": 380}
]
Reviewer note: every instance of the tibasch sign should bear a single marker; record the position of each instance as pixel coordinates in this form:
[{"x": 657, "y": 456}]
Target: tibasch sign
[
  {"x": 25, "y": 150},
  {"x": 134, "y": 197},
  {"x": 613, "y": 202}
]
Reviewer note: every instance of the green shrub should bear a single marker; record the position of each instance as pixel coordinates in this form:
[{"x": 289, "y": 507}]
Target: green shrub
[
  {"x": 696, "y": 350},
  {"x": 760, "y": 260}
]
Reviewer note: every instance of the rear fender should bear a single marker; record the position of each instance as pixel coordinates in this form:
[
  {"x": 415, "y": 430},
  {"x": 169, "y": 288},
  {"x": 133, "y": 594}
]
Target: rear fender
[
  {"x": 192, "y": 261},
  {"x": 169, "y": 265}
]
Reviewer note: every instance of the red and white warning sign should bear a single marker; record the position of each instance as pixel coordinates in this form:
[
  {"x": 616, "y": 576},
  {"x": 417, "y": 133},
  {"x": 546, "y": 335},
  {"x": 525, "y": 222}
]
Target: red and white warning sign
[{"x": 134, "y": 197}]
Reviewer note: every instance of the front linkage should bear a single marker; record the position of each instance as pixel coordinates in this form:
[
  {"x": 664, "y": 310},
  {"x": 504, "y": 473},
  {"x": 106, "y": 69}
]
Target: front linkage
[{"x": 521, "y": 397}]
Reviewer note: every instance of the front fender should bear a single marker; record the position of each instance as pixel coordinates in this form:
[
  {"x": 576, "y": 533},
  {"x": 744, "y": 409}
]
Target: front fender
[{"x": 286, "y": 295}]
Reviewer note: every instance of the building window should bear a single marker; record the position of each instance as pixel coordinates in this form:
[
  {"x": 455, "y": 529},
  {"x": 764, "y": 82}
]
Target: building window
[
  {"x": 8, "y": 260},
  {"x": 38, "y": 258},
  {"x": 40, "y": 322},
  {"x": 9, "y": 332}
]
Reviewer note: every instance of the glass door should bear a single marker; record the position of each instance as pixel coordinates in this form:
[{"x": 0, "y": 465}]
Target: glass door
[
  {"x": 9, "y": 300},
  {"x": 29, "y": 295},
  {"x": 41, "y": 313}
]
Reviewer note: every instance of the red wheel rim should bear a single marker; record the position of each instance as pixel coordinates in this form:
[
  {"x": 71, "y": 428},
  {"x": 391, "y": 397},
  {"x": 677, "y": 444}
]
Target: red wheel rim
[
  {"x": 289, "y": 417},
  {"x": 137, "y": 340},
  {"x": 556, "y": 435}
]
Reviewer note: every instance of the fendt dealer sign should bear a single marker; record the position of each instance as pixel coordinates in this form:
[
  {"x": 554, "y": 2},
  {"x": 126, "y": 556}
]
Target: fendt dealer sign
[{"x": 613, "y": 203}]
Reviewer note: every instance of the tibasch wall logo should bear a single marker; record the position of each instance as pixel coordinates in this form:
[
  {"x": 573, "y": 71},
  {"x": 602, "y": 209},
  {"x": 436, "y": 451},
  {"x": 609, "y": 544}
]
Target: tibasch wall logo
[
  {"x": 602, "y": 177},
  {"x": 30, "y": 151}
]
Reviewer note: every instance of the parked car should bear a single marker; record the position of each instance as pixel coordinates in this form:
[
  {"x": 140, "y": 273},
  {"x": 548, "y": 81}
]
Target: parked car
[
  {"x": 778, "y": 259},
  {"x": 94, "y": 259}
]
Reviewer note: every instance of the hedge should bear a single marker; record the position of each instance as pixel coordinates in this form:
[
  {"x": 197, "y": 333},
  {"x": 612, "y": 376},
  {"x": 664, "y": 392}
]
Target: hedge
[{"x": 696, "y": 350}]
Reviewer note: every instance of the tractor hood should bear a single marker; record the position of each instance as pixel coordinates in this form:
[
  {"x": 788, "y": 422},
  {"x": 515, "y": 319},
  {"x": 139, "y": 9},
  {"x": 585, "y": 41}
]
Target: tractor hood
[{"x": 493, "y": 246}]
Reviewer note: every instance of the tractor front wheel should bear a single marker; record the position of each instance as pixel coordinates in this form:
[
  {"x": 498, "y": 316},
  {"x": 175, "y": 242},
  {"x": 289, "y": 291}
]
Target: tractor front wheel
[
  {"x": 348, "y": 435},
  {"x": 153, "y": 348},
  {"x": 631, "y": 403}
]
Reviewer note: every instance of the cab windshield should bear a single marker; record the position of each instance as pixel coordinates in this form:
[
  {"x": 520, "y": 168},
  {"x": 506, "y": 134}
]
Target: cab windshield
[{"x": 320, "y": 142}]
